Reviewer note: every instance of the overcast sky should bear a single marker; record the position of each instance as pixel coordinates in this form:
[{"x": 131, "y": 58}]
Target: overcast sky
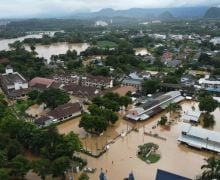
[{"x": 30, "y": 8}]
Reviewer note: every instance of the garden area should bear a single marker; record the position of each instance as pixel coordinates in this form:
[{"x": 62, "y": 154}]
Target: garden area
[{"x": 149, "y": 153}]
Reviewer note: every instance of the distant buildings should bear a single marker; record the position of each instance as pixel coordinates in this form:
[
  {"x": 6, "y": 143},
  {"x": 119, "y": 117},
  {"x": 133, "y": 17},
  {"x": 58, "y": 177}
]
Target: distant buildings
[
  {"x": 200, "y": 138},
  {"x": 13, "y": 84},
  {"x": 215, "y": 40}
]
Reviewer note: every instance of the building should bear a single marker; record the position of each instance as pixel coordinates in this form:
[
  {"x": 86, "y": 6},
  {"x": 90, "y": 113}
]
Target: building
[
  {"x": 101, "y": 23},
  {"x": 67, "y": 79},
  {"x": 164, "y": 175},
  {"x": 13, "y": 84},
  {"x": 191, "y": 116},
  {"x": 99, "y": 82},
  {"x": 200, "y": 138},
  {"x": 154, "y": 106},
  {"x": 60, "y": 113},
  {"x": 81, "y": 91},
  {"x": 132, "y": 82},
  {"x": 40, "y": 84},
  {"x": 210, "y": 84}
]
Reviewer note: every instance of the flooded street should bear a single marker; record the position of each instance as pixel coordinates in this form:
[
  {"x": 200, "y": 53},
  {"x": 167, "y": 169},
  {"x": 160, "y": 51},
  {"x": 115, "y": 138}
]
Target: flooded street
[{"x": 121, "y": 158}]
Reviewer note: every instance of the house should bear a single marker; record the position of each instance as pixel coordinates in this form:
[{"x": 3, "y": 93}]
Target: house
[
  {"x": 191, "y": 116},
  {"x": 167, "y": 56},
  {"x": 154, "y": 106},
  {"x": 99, "y": 82},
  {"x": 136, "y": 83},
  {"x": 40, "y": 84},
  {"x": 212, "y": 85},
  {"x": 200, "y": 138},
  {"x": 173, "y": 63},
  {"x": 60, "y": 113},
  {"x": 67, "y": 78},
  {"x": 164, "y": 175},
  {"x": 81, "y": 91},
  {"x": 13, "y": 84}
]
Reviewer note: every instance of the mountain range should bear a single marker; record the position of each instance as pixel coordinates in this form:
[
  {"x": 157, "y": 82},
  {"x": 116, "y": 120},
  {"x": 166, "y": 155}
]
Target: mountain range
[{"x": 150, "y": 13}]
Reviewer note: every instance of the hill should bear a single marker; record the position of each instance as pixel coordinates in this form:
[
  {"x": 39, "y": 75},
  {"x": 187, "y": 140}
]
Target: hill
[{"x": 213, "y": 13}]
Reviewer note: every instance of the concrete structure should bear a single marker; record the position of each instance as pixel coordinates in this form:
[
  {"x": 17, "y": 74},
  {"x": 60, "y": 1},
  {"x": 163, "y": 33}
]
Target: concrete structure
[
  {"x": 200, "y": 138},
  {"x": 154, "y": 106},
  {"x": 13, "y": 84}
]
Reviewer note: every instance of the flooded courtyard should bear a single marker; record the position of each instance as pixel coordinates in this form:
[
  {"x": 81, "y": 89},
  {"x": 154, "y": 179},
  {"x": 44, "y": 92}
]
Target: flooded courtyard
[{"x": 121, "y": 158}]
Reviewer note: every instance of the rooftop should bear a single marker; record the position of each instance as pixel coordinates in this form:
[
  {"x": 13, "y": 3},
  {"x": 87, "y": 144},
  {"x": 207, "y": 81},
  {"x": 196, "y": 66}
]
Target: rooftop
[
  {"x": 10, "y": 79},
  {"x": 164, "y": 175},
  {"x": 65, "y": 110}
]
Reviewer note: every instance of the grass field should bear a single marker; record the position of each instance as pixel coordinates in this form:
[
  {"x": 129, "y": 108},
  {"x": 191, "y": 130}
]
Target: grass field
[{"x": 105, "y": 44}]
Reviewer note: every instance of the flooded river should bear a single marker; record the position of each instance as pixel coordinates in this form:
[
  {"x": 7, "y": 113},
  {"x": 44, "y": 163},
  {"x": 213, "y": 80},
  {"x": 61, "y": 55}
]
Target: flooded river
[
  {"x": 46, "y": 50},
  {"x": 121, "y": 158}
]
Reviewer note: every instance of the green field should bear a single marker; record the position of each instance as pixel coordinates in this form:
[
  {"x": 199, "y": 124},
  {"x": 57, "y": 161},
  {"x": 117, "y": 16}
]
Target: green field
[{"x": 106, "y": 44}]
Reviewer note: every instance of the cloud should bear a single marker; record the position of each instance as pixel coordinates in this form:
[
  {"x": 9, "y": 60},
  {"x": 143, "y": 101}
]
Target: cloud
[{"x": 30, "y": 8}]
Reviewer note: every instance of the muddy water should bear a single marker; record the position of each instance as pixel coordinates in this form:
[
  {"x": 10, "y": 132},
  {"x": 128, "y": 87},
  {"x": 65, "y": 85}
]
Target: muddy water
[
  {"x": 46, "y": 50},
  {"x": 58, "y": 48},
  {"x": 176, "y": 158}
]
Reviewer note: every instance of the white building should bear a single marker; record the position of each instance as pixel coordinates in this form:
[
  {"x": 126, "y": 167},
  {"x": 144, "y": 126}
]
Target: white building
[
  {"x": 13, "y": 84},
  {"x": 210, "y": 84},
  {"x": 191, "y": 116},
  {"x": 215, "y": 40},
  {"x": 154, "y": 106},
  {"x": 200, "y": 138}
]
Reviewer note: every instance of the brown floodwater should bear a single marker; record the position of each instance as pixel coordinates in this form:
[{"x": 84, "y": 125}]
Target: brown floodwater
[
  {"x": 46, "y": 50},
  {"x": 175, "y": 157}
]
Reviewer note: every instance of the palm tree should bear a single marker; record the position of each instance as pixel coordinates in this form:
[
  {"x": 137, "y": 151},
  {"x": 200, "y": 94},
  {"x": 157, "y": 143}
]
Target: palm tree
[
  {"x": 211, "y": 169},
  {"x": 173, "y": 108}
]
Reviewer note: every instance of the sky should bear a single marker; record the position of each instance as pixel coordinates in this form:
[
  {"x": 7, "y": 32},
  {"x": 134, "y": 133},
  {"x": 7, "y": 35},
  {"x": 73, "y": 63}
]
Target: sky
[{"x": 32, "y": 8}]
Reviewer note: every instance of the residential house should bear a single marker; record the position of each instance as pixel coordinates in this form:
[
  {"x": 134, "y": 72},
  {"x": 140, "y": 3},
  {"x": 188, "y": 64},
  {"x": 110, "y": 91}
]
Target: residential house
[
  {"x": 211, "y": 85},
  {"x": 13, "y": 84},
  {"x": 60, "y": 113},
  {"x": 40, "y": 84},
  {"x": 99, "y": 82},
  {"x": 81, "y": 91}
]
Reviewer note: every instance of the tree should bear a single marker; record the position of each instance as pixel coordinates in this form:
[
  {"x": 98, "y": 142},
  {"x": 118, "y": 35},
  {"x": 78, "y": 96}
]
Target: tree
[
  {"x": 59, "y": 166},
  {"x": 20, "y": 166},
  {"x": 208, "y": 120},
  {"x": 211, "y": 169},
  {"x": 173, "y": 108},
  {"x": 13, "y": 149},
  {"x": 54, "y": 97},
  {"x": 150, "y": 86},
  {"x": 163, "y": 120},
  {"x": 125, "y": 101},
  {"x": 93, "y": 124},
  {"x": 207, "y": 104},
  {"x": 33, "y": 95},
  {"x": 3, "y": 159},
  {"x": 41, "y": 167},
  {"x": 83, "y": 176},
  {"x": 4, "y": 174}
]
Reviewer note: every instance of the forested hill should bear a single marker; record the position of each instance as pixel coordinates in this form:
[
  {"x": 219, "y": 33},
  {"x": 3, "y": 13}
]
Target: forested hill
[{"x": 213, "y": 13}]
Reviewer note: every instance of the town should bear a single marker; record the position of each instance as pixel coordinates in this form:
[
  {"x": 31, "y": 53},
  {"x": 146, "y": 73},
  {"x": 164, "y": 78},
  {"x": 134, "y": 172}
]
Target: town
[{"x": 110, "y": 98}]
